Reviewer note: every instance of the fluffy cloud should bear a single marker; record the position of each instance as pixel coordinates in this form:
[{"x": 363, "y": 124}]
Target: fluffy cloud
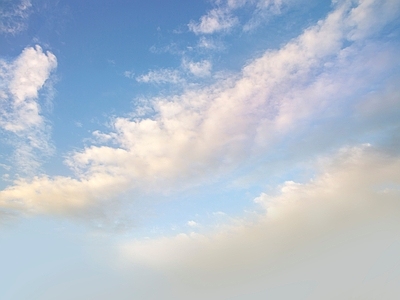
[
  {"x": 213, "y": 129},
  {"x": 328, "y": 235},
  {"x": 20, "y": 110},
  {"x": 14, "y": 15}
]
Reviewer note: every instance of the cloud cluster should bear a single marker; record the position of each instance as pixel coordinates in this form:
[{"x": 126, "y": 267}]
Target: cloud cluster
[
  {"x": 20, "y": 114},
  {"x": 327, "y": 235},
  {"x": 214, "y": 129}
]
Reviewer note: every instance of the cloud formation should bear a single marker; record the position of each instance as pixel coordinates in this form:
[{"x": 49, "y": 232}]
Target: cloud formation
[{"x": 21, "y": 114}]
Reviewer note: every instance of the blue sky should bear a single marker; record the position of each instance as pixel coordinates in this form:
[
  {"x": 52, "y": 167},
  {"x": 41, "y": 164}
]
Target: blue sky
[{"x": 222, "y": 149}]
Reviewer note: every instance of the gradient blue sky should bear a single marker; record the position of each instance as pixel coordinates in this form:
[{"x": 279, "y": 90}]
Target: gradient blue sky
[{"x": 221, "y": 149}]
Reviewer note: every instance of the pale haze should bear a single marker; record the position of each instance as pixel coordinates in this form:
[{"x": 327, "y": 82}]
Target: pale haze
[{"x": 219, "y": 149}]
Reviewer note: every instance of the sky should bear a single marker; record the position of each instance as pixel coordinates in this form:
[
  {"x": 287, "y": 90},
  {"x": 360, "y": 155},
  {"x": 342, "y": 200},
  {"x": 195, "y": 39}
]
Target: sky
[{"x": 219, "y": 149}]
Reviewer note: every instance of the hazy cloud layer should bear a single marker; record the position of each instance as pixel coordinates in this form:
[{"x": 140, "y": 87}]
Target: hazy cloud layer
[{"x": 330, "y": 238}]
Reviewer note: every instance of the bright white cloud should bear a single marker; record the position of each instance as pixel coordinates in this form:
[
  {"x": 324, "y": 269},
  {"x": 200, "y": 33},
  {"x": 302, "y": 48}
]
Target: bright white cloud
[
  {"x": 20, "y": 109},
  {"x": 14, "y": 15},
  {"x": 328, "y": 232}
]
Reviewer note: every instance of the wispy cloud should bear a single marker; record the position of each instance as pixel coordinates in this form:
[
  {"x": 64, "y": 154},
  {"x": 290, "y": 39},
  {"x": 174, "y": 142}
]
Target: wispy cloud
[
  {"x": 209, "y": 44},
  {"x": 14, "y": 16},
  {"x": 198, "y": 69},
  {"x": 129, "y": 74},
  {"x": 216, "y": 20},
  {"x": 20, "y": 113},
  {"x": 179, "y": 76},
  {"x": 161, "y": 76},
  {"x": 222, "y": 18}
]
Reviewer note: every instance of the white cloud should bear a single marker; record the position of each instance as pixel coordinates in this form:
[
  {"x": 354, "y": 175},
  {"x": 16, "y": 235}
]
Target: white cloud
[
  {"x": 14, "y": 16},
  {"x": 175, "y": 76},
  {"x": 222, "y": 18},
  {"x": 214, "y": 21},
  {"x": 20, "y": 110},
  {"x": 198, "y": 69},
  {"x": 209, "y": 44},
  {"x": 371, "y": 16},
  {"x": 129, "y": 74},
  {"x": 192, "y": 223},
  {"x": 161, "y": 76},
  {"x": 329, "y": 232}
]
